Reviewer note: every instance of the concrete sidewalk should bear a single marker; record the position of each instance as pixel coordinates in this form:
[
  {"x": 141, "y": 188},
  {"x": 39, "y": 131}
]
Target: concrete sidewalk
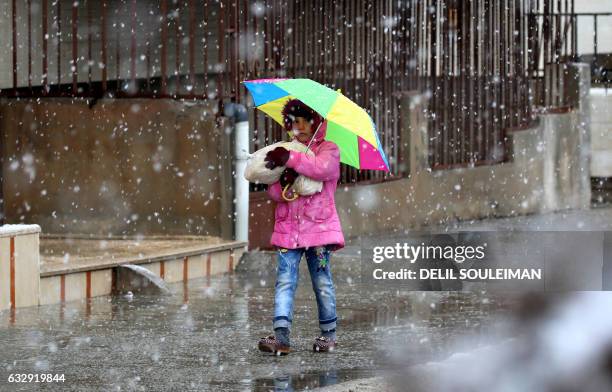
[{"x": 76, "y": 268}]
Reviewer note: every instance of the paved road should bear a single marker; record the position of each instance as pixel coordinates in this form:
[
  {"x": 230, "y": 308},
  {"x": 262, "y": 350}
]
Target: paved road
[{"x": 204, "y": 336}]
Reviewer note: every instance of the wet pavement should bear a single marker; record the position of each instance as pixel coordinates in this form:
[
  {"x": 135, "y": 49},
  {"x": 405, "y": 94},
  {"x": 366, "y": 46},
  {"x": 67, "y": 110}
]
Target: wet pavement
[{"x": 203, "y": 337}]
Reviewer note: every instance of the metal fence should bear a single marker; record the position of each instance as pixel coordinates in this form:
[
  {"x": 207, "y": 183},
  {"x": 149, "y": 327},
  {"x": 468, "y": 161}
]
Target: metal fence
[
  {"x": 475, "y": 60},
  {"x": 553, "y": 35},
  {"x": 476, "y": 73},
  {"x": 558, "y": 25},
  {"x": 353, "y": 46}
]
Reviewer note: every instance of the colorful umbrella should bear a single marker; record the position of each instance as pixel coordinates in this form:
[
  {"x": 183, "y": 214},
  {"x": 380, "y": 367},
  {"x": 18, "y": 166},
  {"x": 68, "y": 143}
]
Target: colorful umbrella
[{"x": 348, "y": 125}]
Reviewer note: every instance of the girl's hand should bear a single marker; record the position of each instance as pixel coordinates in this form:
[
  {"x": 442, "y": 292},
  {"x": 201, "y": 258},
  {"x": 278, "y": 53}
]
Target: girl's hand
[
  {"x": 277, "y": 157},
  {"x": 288, "y": 177}
]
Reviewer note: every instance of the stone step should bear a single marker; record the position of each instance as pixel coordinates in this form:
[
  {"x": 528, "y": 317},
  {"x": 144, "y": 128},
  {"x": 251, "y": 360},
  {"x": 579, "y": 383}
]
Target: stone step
[{"x": 92, "y": 272}]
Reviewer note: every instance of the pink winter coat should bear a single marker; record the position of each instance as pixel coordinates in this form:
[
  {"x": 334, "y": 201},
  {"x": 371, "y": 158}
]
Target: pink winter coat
[{"x": 310, "y": 220}]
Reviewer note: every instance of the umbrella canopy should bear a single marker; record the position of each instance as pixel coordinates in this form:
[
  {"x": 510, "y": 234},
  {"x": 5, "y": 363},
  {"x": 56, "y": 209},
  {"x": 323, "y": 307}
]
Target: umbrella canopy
[{"x": 348, "y": 125}]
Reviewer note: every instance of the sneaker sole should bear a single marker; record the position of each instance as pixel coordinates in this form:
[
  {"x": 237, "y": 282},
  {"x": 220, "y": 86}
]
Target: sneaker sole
[
  {"x": 318, "y": 349},
  {"x": 267, "y": 349}
]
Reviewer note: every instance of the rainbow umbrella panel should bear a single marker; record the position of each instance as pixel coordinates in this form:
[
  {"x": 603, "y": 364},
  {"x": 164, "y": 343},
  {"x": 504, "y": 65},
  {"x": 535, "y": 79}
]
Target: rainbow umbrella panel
[{"x": 348, "y": 125}]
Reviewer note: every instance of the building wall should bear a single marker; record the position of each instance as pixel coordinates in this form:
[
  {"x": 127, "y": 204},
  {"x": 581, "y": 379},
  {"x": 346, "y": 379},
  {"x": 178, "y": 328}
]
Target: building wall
[
  {"x": 121, "y": 167},
  {"x": 601, "y": 102},
  {"x": 586, "y": 26}
]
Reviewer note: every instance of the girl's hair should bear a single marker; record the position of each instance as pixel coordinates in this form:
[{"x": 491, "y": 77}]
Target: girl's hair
[{"x": 296, "y": 108}]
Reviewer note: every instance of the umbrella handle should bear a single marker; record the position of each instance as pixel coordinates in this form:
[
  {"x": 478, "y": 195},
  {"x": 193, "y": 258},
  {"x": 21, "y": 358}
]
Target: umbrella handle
[{"x": 284, "y": 195}]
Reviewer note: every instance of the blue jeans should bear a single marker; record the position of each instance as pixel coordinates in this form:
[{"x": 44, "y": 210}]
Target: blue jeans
[{"x": 322, "y": 284}]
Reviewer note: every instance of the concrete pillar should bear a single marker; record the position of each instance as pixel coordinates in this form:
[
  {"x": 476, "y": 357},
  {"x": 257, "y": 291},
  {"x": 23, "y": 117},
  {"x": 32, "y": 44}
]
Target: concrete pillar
[
  {"x": 225, "y": 177},
  {"x": 567, "y": 146},
  {"x": 415, "y": 132},
  {"x": 19, "y": 266},
  {"x": 580, "y": 81}
]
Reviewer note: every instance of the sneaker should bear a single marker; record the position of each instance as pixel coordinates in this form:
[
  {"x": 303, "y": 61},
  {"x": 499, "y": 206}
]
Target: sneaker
[
  {"x": 323, "y": 344},
  {"x": 269, "y": 344}
]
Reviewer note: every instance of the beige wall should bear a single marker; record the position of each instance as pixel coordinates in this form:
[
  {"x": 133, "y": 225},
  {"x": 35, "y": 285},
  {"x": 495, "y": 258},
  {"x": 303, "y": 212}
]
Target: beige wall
[
  {"x": 121, "y": 167},
  {"x": 586, "y": 26},
  {"x": 601, "y": 102},
  {"x": 535, "y": 181}
]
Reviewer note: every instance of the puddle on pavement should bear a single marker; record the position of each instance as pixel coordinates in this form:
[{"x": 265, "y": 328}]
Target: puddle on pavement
[{"x": 309, "y": 380}]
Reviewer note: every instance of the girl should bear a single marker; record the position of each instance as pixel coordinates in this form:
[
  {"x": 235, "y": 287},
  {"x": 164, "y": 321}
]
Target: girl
[{"x": 307, "y": 225}]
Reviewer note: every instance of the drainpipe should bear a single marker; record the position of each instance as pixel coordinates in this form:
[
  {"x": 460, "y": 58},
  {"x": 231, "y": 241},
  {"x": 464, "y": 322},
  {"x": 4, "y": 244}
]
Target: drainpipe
[{"x": 240, "y": 116}]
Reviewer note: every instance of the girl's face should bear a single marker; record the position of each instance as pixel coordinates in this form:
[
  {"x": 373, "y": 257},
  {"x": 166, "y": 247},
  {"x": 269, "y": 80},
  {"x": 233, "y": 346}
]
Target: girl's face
[{"x": 302, "y": 129}]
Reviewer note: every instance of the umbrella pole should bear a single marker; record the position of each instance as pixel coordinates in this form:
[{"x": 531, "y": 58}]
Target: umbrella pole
[{"x": 313, "y": 136}]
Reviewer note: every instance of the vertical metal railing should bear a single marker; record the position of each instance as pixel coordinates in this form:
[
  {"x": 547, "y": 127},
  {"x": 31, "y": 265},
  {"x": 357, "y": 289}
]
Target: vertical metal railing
[
  {"x": 477, "y": 77},
  {"x": 330, "y": 45},
  {"x": 553, "y": 35},
  {"x": 566, "y": 49}
]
